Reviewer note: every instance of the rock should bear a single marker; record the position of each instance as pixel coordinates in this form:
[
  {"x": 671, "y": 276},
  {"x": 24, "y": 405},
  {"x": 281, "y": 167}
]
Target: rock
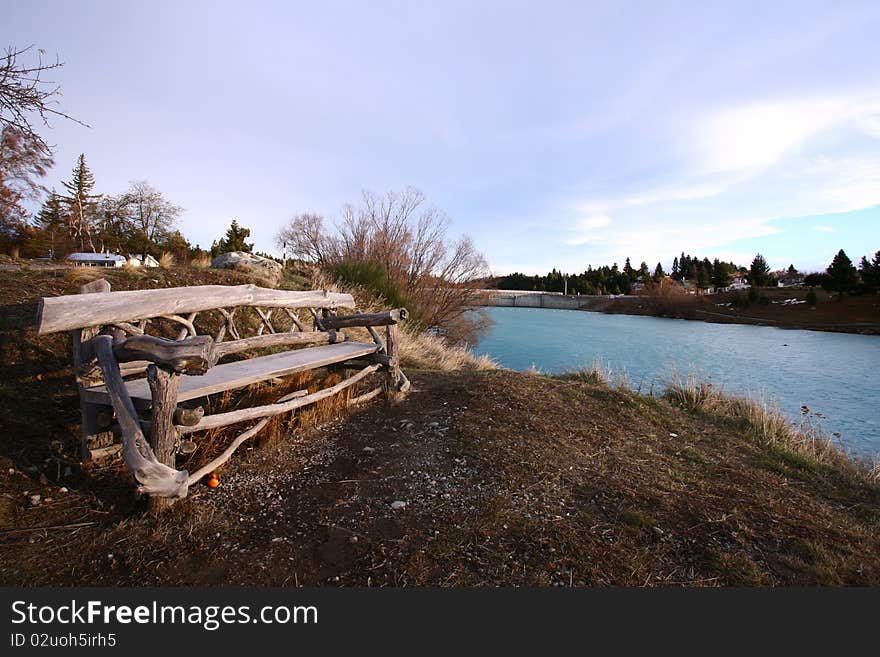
[
  {"x": 369, "y": 450},
  {"x": 63, "y": 489},
  {"x": 398, "y": 504},
  {"x": 279, "y": 539},
  {"x": 266, "y": 271},
  {"x": 673, "y": 435},
  {"x": 35, "y": 500}
]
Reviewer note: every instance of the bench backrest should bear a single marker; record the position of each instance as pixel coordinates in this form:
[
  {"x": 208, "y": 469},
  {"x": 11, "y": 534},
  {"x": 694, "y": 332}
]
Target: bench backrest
[{"x": 79, "y": 311}]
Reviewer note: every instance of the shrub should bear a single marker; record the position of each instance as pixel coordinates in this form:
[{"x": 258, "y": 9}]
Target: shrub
[
  {"x": 166, "y": 260},
  {"x": 812, "y": 299}
]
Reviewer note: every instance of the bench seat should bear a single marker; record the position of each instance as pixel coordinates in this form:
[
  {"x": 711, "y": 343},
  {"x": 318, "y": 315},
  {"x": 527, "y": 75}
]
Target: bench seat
[{"x": 230, "y": 376}]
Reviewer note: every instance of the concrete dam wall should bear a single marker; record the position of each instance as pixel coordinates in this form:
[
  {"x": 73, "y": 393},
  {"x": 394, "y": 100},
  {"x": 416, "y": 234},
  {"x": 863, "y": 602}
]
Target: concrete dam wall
[{"x": 516, "y": 299}]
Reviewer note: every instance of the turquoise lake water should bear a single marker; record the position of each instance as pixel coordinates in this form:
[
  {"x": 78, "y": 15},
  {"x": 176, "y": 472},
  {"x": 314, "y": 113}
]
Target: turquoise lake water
[{"x": 835, "y": 374}]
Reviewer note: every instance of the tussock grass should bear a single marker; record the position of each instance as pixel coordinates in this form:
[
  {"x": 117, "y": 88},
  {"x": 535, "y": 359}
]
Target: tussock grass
[
  {"x": 805, "y": 440},
  {"x": 166, "y": 260},
  {"x": 599, "y": 373},
  {"x": 693, "y": 394},
  {"x": 430, "y": 352},
  {"x": 201, "y": 261},
  {"x": 83, "y": 275}
]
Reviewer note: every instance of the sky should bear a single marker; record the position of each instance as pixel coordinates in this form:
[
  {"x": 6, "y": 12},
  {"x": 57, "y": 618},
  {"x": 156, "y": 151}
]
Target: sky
[{"x": 555, "y": 134}]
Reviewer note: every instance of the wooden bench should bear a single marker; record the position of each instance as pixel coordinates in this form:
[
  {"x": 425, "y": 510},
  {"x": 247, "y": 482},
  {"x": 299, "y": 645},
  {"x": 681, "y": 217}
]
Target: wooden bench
[{"x": 131, "y": 382}]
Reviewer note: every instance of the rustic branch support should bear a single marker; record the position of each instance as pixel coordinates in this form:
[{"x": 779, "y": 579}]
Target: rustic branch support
[
  {"x": 194, "y": 355},
  {"x": 153, "y": 477},
  {"x": 364, "y": 319},
  {"x": 163, "y": 434}
]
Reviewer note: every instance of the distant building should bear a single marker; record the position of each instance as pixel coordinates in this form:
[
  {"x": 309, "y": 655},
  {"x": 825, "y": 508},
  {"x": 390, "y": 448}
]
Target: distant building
[
  {"x": 789, "y": 280},
  {"x": 140, "y": 261},
  {"x": 96, "y": 260},
  {"x": 737, "y": 283}
]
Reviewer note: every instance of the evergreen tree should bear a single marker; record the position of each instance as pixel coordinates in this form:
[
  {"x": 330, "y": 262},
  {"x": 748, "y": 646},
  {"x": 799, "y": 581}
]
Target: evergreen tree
[
  {"x": 720, "y": 274},
  {"x": 759, "y": 272},
  {"x": 704, "y": 280},
  {"x": 628, "y": 271},
  {"x": 644, "y": 272},
  {"x": 792, "y": 270},
  {"x": 675, "y": 269},
  {"x": 233, "y": 241},
  {"x": 658, "y": 273},
  {"x": 52, "y": 224},
  {"x": 82, "y": 203},
  {"x": 870, "y": 273},
  {"x": 842, "y": 275}
]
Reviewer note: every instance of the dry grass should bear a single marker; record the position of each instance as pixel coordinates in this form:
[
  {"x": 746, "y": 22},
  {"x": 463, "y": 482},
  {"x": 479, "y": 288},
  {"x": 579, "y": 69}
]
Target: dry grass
[
  {"x": 166, "y": 260},
  {"x": 430, "y": 352},
  {"x": 767, "y": 424},
  {"x": 202, "y": 261},
  {"x": 83, "y": 275}
]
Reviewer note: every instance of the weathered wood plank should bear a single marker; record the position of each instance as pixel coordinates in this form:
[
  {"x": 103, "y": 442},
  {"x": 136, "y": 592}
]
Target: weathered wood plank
[
  {"x": 365, "y": 319},
  {"x": 229, "y": 376},
  {"x": 70, "y": 312},
  {"x": 275, "y": 340},
  {"x": 257, "y": 412}
]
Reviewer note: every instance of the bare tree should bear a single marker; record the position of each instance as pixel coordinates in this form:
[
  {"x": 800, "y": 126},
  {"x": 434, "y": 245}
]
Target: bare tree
[
  {"x": 24, "y": 93},
  {"x": 152, "y": 216},
  {"x": 303, "y": 237},
  {"x": 406, "y": 235}
]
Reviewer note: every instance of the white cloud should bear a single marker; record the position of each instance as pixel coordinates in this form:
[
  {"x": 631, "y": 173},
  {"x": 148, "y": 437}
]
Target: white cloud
[
  {"x": 757, "y": 135},
  {"x": 585, "y": 229},
  {"x": 824, "y": 229}
]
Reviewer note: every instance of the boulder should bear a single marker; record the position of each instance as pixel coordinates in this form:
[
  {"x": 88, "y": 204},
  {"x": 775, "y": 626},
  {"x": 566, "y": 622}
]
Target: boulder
[{"x": 266, "y": 271}]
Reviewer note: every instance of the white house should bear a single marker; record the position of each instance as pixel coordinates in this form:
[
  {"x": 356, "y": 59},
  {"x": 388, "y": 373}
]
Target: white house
[
  {"x": 96, "y": 260},
  {"x": 140, "y": 261},
  {"x": 737, "y": 283}
]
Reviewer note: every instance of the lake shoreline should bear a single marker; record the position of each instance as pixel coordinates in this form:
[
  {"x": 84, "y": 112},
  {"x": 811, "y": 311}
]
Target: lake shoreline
[
  {"x": 826, "y": 372},
  {"x": 856, "y": 315}
]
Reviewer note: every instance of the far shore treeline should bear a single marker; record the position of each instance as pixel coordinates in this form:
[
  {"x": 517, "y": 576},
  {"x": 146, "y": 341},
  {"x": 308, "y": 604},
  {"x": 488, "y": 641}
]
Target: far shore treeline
[{"x": 840, "y": 276}]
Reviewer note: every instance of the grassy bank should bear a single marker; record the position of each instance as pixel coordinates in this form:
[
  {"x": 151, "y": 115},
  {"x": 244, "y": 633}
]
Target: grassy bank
[{"x": 506, "y": 478}]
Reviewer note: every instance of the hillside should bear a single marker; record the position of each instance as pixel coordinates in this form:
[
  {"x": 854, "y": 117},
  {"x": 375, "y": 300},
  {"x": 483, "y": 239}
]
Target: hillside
[{"x": 507, "y": 479}]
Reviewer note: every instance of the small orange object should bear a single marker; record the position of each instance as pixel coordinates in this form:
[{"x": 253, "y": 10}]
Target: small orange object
[{"x": 214, "y": 480}]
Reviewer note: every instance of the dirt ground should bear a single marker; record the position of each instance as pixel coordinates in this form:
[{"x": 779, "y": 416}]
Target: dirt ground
[
  {"x": 494, "y": 478},
  {"x": 481, "y": 478}
]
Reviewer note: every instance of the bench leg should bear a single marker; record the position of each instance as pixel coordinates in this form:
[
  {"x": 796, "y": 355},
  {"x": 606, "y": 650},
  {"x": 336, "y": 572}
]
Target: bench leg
[
  {"x": 163, "y": 434},
  {"x": 94, "y": 435},
  {"x": 395, "y": 378}
]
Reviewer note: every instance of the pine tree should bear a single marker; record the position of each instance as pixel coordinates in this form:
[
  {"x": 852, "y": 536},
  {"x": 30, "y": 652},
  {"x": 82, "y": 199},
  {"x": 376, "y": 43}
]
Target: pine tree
[
  {"x": 870, "y": 273},
  {"x": 659, "y": 273},
  {"x": 759, "y": 272},
  {"x": 233, "y": 241},
  {"x": 842, "y": 275},
  {"x": 628, "y": 271},
  {"x": 82, "y": 203},
  {"x": 675, "y": 268},
  {"x": 720, "y": 274},
  {"x": 52, "y": 223}
]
